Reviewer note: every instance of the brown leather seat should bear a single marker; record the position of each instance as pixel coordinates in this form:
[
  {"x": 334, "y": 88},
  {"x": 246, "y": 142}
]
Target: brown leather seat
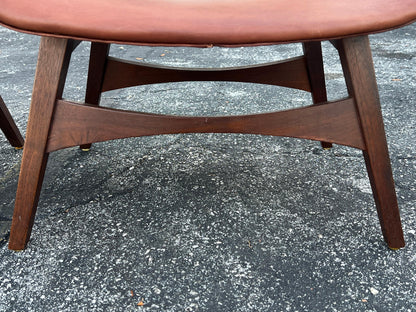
[
  {"x": 55, "y": 123},
  {"x": 206, "y": 22}
]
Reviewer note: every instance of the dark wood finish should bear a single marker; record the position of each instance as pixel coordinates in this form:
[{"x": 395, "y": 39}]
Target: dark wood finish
[
  {"x": 73, "y": 44},
  {"x": 74, "y": 124},
  {"x": 55, "y": 124},
  {"x": 289, "y": 73},
  {"x": 97, "y": 66},
  {"x": 8, "y": 126},
  {"x": 359, "y": 73},
  {"x": 316, "y": 74},
  {"x": 53, "y": 61}
]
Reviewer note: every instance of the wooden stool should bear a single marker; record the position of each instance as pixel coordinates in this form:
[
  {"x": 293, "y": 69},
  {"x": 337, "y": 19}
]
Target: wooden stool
[
  {"x": 9, "y": 127},
  {"x": 354, "y": 121}
]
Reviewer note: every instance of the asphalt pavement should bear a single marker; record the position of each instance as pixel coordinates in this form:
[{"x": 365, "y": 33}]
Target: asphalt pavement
[{"x": 211, "y": 222}]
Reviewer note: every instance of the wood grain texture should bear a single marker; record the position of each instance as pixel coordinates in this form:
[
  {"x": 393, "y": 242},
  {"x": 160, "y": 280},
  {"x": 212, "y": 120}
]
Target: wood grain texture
[
  {"x": 53, "y": 61},
  {"x": 55, "y": 124},
  {"x": 316, "y": 75},
  {"x": 359, "y": 73},
  {"x": 75, "y": 124},
  {"x": 96, "y": 71},
  {"x": 289, "y": 73}
]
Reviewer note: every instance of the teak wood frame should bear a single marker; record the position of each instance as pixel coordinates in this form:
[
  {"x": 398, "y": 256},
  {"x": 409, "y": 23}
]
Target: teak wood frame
[
  {"x": 55, "y": 123},
  {"x": 8, "y": 126}
]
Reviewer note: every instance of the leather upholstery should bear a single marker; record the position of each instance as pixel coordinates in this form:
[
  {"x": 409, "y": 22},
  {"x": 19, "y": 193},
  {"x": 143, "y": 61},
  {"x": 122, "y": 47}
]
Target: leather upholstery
[{"x": 205, "y": 22}]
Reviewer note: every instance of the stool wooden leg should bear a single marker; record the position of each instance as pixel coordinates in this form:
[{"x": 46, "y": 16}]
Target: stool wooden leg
[
  {"x": 316, "y": 74},
  {"x": 96, "y": 71},
  {"x": 53, "y": 61},
  {"x": 9, "y": 127},
  {"x": 359, "y": 73}
]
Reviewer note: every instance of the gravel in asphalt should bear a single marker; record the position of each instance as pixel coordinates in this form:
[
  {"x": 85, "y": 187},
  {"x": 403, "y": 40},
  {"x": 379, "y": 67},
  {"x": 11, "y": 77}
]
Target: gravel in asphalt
[{"x": 211, "y": 222}]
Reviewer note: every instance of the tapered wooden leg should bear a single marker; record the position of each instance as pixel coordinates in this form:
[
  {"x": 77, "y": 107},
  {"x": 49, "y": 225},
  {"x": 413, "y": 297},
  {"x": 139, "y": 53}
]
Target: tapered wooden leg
[
  {"x": 53, "y": 61},
  {"x": 359, "y": 73},
  {"x": 96, "y": 71},
  {"x": 9, "y": 127},
  {"x": 315, "y": 67}
]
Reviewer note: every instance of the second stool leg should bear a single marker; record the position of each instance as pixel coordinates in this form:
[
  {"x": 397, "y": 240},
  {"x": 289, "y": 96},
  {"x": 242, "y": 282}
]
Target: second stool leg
[
  {"x": 53, "y": 62},
  {"x": 9, "y": 127},
  {"x": 315, "y": 66},
  {"x": 357, "y": 63},
  {"x": 96, "y": 72}
]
